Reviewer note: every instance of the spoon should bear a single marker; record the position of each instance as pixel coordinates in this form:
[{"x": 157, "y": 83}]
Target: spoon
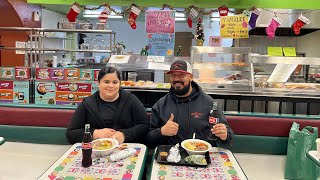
[{"x": 194, "y": 135}]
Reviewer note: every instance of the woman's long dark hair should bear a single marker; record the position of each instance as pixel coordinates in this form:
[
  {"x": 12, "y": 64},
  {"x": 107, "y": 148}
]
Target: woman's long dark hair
[{"x": 108, "y": 70}]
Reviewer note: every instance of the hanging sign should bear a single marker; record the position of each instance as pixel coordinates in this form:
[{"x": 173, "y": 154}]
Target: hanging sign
[
  {"x": 160, "y": 21},
  {"x": 234, "y": 27}
]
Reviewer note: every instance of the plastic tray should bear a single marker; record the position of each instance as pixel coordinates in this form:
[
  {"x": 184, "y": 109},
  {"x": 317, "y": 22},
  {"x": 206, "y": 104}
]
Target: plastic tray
[{"x": 183, "y": 154}]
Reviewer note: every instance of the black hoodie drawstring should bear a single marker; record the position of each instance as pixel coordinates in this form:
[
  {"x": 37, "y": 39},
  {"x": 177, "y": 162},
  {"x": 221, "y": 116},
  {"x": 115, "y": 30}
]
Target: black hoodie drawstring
[{"x": 189, "y": 111}]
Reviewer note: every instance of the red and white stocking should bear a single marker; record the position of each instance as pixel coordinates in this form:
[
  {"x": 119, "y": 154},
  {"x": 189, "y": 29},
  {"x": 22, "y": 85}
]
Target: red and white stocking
[
  {"x": 193, "y": 13},
  {"x": 223, "y": 11},
  {"x": 103, "y": 17},
  {"x": 133, "y": 16},
  {"x": 271, "y": 29},
  {"x": 300, "y": 22},
  {"x": 73, "y": 13}
]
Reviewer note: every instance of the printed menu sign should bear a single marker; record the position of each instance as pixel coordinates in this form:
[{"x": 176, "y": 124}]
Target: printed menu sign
[
  {"x": 43, "y": 73},
  {"x": 96, "y": 74},
  {"x": 7, "y": 72},
  {"x": 234, "y": 26},
  {"x": 72, "y": 93},
  {"x": 21, "y": 92},
  {"x": 86, "y": 74},
  {"x": 22, "y": 73},
  {"x": 160, "y": 44},
  {"x": 45, "y": 93},
  {"x": 14, "y": 91},
  {"x": 160, "y": 21},
  {"x": 57, "y": 73},
  {"x": 72, "y": 74}
]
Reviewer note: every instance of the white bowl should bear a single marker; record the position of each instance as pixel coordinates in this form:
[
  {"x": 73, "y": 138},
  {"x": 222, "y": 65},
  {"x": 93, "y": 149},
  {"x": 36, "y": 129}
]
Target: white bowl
[
  {"x": 190, "y": 152},
  {"x": 105, "y": 152}
]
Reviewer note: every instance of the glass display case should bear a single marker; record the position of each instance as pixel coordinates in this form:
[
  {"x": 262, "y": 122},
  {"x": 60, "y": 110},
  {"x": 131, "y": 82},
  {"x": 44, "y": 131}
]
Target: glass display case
[
  {"x": 227, "y": 69},
  {"x": 287, "y": 75}
]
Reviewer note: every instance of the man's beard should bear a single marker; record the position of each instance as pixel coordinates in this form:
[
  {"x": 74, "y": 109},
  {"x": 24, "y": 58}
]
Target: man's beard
[{"x": 181, "y": 91}]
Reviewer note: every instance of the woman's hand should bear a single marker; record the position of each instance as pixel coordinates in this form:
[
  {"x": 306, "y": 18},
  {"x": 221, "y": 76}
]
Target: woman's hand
[
  {"x": 103, "y": 133},
  {"x": 119, "y": 136}
]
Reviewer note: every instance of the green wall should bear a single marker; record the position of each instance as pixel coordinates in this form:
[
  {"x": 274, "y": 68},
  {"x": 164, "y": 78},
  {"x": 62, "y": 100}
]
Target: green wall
[{"x": 277, "y": 4}]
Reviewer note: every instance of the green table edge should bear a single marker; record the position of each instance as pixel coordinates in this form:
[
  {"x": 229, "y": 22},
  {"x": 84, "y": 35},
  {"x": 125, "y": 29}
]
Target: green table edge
[
  {"x": 2, "y": 141},
  {"x": 143, "y": 165},
  {"x": 314, "y": 160}
]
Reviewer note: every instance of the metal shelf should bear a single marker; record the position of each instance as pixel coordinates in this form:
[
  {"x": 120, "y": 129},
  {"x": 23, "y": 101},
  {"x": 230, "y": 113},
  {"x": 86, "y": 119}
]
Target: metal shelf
[
  {"x": 57, "y": 30},
  {"x": 265, "y": 59}
]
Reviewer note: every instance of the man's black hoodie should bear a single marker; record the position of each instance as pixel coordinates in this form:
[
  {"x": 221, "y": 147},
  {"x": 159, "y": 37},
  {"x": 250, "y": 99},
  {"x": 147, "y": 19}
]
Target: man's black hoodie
[{"x": 192, "y": 115}]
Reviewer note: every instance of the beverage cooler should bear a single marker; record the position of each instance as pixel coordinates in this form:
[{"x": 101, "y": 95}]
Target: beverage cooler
[
  {"x": 64, "y": 86},
  {"x": 15, "y": 85}
]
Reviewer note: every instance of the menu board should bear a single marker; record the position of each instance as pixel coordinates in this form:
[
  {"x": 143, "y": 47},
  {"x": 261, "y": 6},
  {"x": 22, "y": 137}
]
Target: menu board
[
  {"x": 45, "y": 93},
  {"x": 7, "y": 72},
  {"x": 22, "y": 73},
  {"x": 72, "y": 74},
  {"x": 57, "y": 73},
  {"x": 71, "y": 93},
  {"x": 43, "y": 73},
  {"x": 14, "y": 91},
  {"x": 86, "y": 74}
]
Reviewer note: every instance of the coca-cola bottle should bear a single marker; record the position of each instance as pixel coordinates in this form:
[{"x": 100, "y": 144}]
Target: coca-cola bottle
[
  {"x": 213, "y": 120},
  {"x": 87, "y": 147}
]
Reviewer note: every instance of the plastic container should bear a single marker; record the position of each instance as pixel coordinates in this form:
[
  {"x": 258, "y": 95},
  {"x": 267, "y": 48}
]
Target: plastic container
[{"x": 132, "y": 76}]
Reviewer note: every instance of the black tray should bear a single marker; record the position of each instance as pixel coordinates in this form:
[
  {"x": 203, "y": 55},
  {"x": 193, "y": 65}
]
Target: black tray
[{"x": 183, "y": 154}]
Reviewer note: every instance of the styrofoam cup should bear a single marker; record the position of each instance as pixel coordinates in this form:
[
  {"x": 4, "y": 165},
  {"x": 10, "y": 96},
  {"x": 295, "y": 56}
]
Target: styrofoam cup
[{"x": 318, "y": 146}]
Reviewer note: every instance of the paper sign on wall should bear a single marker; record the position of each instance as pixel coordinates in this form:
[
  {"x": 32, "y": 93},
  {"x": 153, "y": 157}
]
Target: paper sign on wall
[
  {"x": 160, "y": 21},
  {"x": 289, "y": 51},
  {"x": 234, "y": 27},
  {"x": 275, "y": 51}
]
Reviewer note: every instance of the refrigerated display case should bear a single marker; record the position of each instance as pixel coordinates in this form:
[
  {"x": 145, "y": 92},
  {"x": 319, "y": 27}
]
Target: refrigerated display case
[
  {"x": 225, "y": 69},
  {"x": 284, "y": 75}
]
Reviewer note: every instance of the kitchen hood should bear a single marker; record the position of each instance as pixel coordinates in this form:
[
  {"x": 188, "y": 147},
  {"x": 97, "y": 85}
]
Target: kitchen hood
[{"x": 288, "y": 17}]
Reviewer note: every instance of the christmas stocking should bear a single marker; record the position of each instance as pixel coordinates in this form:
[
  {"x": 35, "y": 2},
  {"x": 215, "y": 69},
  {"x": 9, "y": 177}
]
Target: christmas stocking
[
  {"x": 271, "y": 29},
  {"x": 103, "y": 17},
  {"x": 133, "y": 16},
  {"x": 73, "y": 13},
  {"x": 253, "y": 19},
  {"x": 193, "y": 13},
  {"x": 300, "y": 22},
  {"x": 223, "y": 11}
]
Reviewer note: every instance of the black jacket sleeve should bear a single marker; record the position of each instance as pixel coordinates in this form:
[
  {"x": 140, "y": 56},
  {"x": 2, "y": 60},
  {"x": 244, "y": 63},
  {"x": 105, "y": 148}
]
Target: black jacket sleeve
[
  {"x": 140, "y": 119},
  {"x": 75, "y": 128},
  {"x": 225, "y": 143},
  {"x": 154, "y": 136}
]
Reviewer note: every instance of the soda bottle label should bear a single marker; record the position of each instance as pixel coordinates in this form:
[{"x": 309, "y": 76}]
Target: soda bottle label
[
  {"x": 86, "y": 145},
  {"x": 213, "y": 120}
]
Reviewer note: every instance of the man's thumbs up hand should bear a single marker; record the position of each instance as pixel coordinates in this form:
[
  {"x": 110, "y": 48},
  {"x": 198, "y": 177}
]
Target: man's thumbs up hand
[{"x": 170, "y": 128}]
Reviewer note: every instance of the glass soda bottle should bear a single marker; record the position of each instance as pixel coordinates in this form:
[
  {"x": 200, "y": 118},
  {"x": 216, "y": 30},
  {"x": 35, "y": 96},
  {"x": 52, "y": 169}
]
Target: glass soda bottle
[
  {"x": 87, "y": 147},
  {"x": 213, "y": 120}
]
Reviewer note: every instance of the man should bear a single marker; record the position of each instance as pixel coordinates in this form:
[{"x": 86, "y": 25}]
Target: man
[{"x": 185, "y": 110}]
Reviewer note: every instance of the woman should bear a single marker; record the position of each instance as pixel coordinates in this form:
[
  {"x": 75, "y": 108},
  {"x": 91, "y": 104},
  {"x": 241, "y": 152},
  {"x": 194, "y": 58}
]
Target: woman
[{"x": 111, "y": 112}]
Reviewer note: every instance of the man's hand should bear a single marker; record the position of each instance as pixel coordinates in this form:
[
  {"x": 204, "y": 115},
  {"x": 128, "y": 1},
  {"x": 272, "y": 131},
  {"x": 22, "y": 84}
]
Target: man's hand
[
  {"x": 170, "y": 128},
  {"x": 220, "y": 130},
  {"x": 103, "y": 133}
]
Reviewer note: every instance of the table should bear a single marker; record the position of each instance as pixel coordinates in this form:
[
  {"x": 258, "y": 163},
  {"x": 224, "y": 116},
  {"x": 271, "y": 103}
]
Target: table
[
  {"x": 2, "y": 140},
  {"x": 314, "y": 157},
  {"x": 68, "y": 166},
  {"x": 223, "y": 166}
]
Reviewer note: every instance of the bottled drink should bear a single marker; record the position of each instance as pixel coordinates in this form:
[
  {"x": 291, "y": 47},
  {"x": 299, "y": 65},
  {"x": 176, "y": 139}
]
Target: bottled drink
[
  {"x": 87, "y": 147},
  {"x": 213, "y": 119}
]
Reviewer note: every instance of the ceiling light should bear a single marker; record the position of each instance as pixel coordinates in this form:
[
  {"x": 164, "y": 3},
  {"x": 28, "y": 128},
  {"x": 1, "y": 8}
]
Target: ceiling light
[
  {"x": 180, "y": 19},
  {"x": 97, "y": 15}
]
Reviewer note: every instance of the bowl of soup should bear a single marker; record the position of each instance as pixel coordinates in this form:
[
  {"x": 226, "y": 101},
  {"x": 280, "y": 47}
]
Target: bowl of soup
[
  {"x": 104, "y": 146},
  {"x": 196, "y": 146}
]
